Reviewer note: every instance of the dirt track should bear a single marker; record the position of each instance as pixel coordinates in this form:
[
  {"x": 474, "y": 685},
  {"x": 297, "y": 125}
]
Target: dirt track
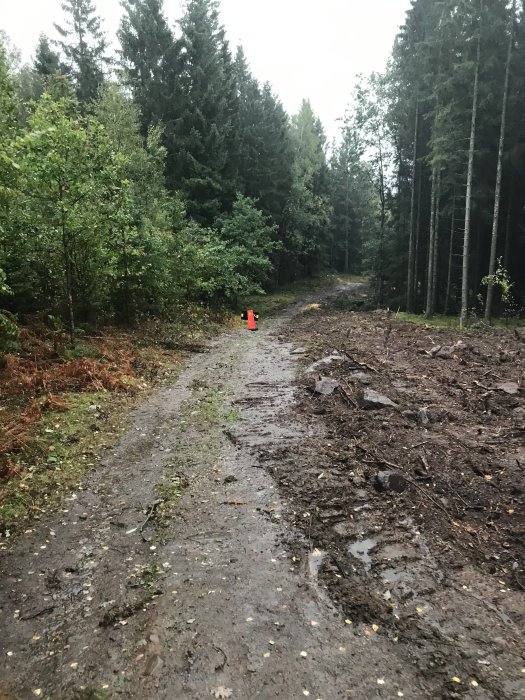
[{"x": 228, "y": 591}]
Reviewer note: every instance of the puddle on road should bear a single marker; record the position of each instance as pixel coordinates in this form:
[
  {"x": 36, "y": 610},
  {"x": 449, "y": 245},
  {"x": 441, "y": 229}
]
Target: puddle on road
[
  {"x": 315, "y": 561},
  {"x": 361, "y": 550}
]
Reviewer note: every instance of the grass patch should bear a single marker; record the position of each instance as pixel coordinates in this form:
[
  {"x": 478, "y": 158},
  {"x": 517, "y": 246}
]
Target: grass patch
[
  {"x": 269, "y": 304},
  {"x": 352, "y": 279},
  {"x": 57, "y": 453},
  {"x": 207, "y": 408},
  {"x": 436, "y": 321},
  {"x": 170, "y": 492},
  {"x": 90, "y": 694},
  {"x": 441, "y": 321}
]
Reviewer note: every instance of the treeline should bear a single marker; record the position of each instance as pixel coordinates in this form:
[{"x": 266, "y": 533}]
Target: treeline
[
  {"x": 169, "y": 175},
  {"x": 165, "y": 176},
  {"x": 443, "y": 134}
]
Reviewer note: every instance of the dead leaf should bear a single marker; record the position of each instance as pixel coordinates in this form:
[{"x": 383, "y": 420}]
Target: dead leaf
[{"x": 222, "y": 692}]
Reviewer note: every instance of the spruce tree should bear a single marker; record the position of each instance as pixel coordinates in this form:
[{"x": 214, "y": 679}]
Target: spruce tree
[
  {"x": 84, "y": 47},
  {"x": 47, "y": 61},
  {"x": 149, "y": 54},
  {"x": 200, "y": 127},
  {"x": 308, "y": 210}
]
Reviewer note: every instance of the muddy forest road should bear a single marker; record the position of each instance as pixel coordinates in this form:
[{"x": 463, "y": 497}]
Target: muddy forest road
[{"x": 176, "y": 571}]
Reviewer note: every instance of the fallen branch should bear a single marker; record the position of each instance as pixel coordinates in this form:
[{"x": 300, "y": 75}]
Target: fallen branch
[
  {"x": 152, "y": 510},
  {"x": 32, "y": 616}
]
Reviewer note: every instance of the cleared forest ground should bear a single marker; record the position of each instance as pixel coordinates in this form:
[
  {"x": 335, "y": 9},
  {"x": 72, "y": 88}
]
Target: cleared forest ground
[{"x": 414, "y": 513}]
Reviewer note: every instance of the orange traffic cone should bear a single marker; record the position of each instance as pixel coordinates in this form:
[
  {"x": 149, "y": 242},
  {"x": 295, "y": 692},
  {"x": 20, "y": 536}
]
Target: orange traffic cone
[{"x": 252, "y": 325}]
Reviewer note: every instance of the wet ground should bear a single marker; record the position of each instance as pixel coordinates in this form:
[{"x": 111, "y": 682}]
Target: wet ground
[{"x": 231, "y": 546}]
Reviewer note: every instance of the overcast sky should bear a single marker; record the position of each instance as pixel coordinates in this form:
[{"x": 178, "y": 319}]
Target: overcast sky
[{"x": 304, "y": 48}]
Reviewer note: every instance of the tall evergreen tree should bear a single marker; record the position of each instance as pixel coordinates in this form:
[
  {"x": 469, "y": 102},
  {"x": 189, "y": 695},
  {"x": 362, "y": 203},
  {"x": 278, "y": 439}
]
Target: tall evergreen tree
[
  {"x": 353, "y": 206},
  {"x": 46, "y": 61},
  {"x": 262, "y": 149},
  {"x": 200, "y": 128},
  {"x": 84, "y": 47},
  {"x": 308, "y": 211},
  {"x": 149, "y": 55}
]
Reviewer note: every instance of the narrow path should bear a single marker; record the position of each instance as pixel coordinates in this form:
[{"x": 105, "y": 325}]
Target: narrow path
[{"x": 98, "y": 603}]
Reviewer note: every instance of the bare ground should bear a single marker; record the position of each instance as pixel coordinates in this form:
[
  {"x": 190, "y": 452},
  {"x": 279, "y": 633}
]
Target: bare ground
[{"x": 234, "y": 544}]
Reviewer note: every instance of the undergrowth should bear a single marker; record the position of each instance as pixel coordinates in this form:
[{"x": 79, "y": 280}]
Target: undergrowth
[{"x": 59, "y": 406}]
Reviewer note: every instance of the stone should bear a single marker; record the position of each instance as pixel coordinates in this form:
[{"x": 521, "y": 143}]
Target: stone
[
  {"x": 511, "y": 388},
  {"x": 335, "y": 357},
  {"x": 373, "y": 400},
  {"x": 422, "y": 417},
  {"x": 326, "y": 386},
  {"x": 361, "y": 377},
  {"x": 154, "y": 665},
  {"x": 391, "y": 481},
  {"x": 445, "y": 352}
]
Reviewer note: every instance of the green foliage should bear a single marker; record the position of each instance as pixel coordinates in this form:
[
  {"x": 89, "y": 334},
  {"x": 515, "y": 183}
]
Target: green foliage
[
  {"x": 200, "y": 132},
  {"x": 84, "y": 46},
  {"x": 148, "y": 57},
  {"x": 251, "y": 243},
  {"x": 308, "y": 210},
  {"x": 142, "y": 214},
  {"x": 354, "y": 202},
  {"x": 59, "y": 214},
  {"x": 9, "y": 332},
  {"x": 500, "y": 279}
]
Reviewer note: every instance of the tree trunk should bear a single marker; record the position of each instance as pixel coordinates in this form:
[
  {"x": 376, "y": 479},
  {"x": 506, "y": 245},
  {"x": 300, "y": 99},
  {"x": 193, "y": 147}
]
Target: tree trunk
[
  {"x": 499, "y": 170},
  {"x": 66, "y": 252},
  {"x": 382, "y": 196},
  {"x": 347, "y": 231},
  {"x": 436, "y": 244},
  {"x": 508, "y": 229},
  {"x": 69, "y": 283},
  {"x": 468, "y": 199},
  {"x": 450, "y": 253},
  {"x": 430, "y": 265},
  {"x": 418, "y": 226},
  {"x": 411, "y": 243}
]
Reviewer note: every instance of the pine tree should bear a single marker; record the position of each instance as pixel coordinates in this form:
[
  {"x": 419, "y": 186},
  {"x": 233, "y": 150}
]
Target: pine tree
[
  {"x": 261, "y": 149},
  {"x": 84, "y": 46},
  {"x": 149, "y": 53},
  {"x": 199, "y": 132},
  {"x": 308, "y": 211},
  {"x": 353, "y": 205},
  {"x": 370, "y": 121},
  {"x": 46, "y": 62}
]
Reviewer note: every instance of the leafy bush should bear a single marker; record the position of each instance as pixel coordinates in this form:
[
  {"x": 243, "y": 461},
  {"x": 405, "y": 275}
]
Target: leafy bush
[{"x": 9, "y": 332}]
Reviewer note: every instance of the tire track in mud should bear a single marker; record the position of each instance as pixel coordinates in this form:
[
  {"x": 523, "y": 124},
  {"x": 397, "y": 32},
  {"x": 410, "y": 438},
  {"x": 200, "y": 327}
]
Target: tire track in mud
[{"x": 205, "y": 600}]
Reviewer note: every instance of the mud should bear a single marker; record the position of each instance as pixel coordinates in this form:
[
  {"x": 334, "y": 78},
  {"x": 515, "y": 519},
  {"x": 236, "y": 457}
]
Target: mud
[{"x": 233, "y": 546}]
